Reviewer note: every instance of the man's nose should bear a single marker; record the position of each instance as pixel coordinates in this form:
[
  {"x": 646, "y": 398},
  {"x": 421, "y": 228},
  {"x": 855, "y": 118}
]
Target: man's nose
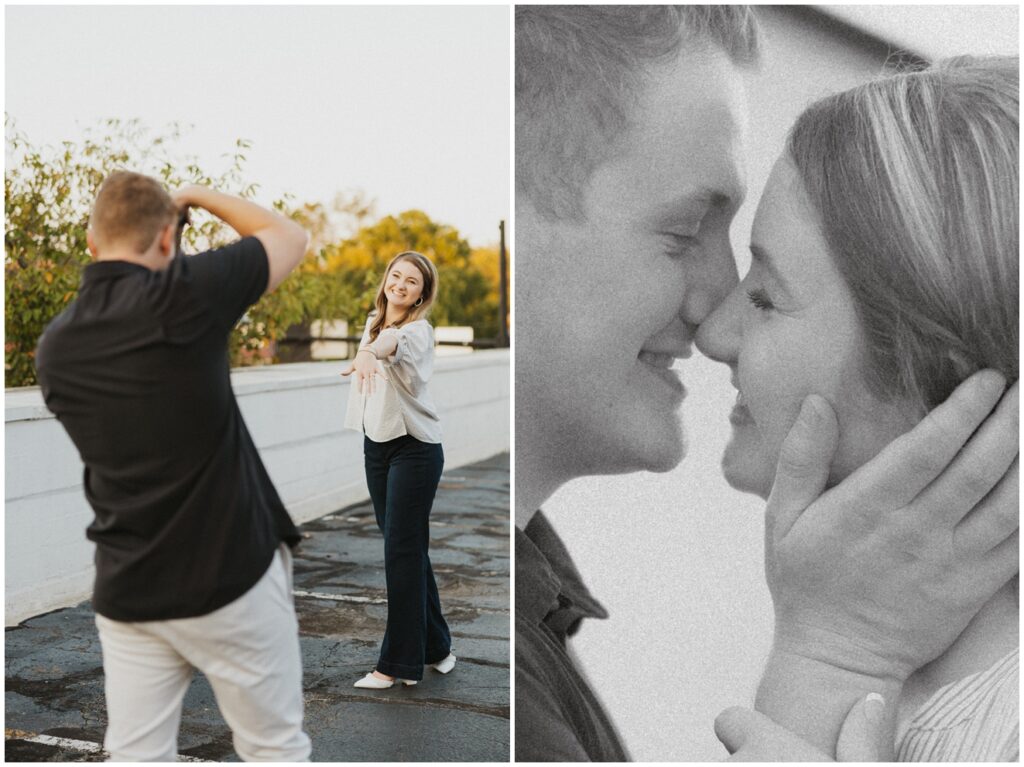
[
  {"x": 719, "y": 336},
  {"x": 713, "y": 281}
]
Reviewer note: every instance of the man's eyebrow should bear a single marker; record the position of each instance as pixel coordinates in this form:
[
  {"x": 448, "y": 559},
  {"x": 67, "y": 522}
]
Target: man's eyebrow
[{"x": 694, "y": 204}]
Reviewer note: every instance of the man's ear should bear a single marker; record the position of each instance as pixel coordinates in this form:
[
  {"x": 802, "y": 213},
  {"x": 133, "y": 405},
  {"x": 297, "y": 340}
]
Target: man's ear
[
  {"x": 167, "y": 240},
  {"x": 90, "y": 243}
]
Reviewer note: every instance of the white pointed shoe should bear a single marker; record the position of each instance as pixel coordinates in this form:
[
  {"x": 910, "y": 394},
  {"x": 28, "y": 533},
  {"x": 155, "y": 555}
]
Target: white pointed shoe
[
  {"x": 446, "y": 665},
  {"x": 371, "y": 682}
]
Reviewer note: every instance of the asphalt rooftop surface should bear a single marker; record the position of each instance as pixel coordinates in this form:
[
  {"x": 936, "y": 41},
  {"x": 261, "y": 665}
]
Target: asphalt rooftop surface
[{"x": 54, "y": 673}]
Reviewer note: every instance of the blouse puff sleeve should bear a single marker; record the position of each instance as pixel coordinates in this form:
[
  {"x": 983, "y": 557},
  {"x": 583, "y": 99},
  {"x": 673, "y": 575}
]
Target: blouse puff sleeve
[{"x": 414, "y": 357}]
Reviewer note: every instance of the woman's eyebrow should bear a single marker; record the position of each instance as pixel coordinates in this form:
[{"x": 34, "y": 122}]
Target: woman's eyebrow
[{"x": 764, "y": 258}]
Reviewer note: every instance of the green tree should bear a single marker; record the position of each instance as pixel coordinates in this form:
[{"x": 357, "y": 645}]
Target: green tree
[{"x": 49, "y": 193}]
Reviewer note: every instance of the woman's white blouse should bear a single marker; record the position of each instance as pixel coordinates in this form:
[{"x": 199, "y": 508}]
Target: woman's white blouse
[
  {"x": 401, "y": 405},
  {"x": 974, "y": 720}
]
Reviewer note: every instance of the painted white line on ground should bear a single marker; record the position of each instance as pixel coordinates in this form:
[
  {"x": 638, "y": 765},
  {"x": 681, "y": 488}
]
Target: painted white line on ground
[
  {"x": 380, "y": 600},
  {"x": 342, "y": 598},
  {"x": 74, "y": 745},
  {"x": 82, "y": 745}
]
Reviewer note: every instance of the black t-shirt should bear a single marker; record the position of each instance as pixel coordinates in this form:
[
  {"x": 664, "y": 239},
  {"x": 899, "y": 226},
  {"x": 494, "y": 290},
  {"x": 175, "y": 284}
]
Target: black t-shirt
[{"x": 136, "y": 369}]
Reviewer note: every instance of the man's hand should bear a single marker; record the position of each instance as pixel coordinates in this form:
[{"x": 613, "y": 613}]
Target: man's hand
[
  {"x": 881, "y": 573},
  {"x": 183, "y": 220},
  {"x": 752, "y": 737},
  {"x": 186, "y": 196},
  {"x": 365, "y": 367}
]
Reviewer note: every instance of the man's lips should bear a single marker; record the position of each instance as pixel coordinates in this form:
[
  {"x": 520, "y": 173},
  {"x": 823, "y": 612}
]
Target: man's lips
[
  {"x": 664, "y": 357},
  {"x": 657, "y": 359},
  {"x": 661, "y": 364}
]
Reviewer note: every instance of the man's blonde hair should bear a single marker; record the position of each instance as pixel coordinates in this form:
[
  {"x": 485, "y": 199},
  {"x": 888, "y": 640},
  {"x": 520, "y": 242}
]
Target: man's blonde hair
[
  {"x": 579, "y": 72},
  {"x": 130, "y": 209},
  {"x": 915, "y": 179}
]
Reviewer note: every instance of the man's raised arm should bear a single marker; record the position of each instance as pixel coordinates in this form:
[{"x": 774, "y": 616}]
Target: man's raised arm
[{"x": 284, "y": 241}]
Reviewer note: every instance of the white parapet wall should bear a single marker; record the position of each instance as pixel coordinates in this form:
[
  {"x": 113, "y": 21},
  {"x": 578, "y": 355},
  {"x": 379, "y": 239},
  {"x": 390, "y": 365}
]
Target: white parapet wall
[{"x": 295, "y": 414}]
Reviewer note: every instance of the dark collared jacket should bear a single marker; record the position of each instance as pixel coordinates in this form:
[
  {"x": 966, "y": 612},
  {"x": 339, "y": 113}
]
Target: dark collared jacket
[{"x": 558, "y": 717}]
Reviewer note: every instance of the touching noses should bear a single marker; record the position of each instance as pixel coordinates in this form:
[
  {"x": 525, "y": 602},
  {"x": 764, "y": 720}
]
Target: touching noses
[
  {"x": 709, "y": 286},
  {"x": 719, "y": 336}
]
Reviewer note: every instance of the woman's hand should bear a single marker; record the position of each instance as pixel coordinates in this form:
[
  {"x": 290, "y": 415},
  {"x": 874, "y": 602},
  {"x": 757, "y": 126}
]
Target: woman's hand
[
  {"x": 883, "y": 572},
  {"x": 366, "y": 370}
]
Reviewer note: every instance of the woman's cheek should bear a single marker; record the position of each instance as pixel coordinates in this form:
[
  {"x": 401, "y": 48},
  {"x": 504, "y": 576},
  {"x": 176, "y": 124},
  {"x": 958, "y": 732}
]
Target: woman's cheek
[{"x": 773, "y": 386}]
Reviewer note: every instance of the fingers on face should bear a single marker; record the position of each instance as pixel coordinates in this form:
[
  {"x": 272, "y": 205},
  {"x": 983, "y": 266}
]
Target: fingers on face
[
  {"x": 1002, "y": 562},
  {"x": 995, "y": 519},
  {"x": 985, "y": 471},
  {"x": 991, "y": 570},
  {"x": 910, "y": 463},
  {"x": 804, "y": 462}
]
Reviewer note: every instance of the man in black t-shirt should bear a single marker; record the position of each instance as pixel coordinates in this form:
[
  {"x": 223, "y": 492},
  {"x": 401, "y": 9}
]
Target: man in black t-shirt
[{"x": 193, "y": 564}]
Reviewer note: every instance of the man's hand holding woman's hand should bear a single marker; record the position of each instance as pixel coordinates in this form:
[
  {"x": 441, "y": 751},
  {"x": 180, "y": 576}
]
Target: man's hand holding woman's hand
[{"x": 752, "y": 737}]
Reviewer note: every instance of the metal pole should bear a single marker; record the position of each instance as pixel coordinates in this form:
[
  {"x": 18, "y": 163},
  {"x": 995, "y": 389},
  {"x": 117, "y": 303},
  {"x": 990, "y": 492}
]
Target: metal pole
[{"x": 503, "y": 271}]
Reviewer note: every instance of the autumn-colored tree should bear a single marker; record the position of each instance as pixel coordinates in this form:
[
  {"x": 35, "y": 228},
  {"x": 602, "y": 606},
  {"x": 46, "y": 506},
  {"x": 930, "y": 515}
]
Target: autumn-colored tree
[{"x": 468, "y": 290}]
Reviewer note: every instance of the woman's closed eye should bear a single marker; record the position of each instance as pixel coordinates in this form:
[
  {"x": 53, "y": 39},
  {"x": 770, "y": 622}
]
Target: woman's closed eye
[{"x": 760, "y": 299}]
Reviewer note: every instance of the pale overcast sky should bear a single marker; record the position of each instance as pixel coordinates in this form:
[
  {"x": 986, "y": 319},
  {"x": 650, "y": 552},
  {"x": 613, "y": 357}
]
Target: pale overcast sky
[
  {"x": 409, "y": 104},
  {"x": 939, "y": 31}
]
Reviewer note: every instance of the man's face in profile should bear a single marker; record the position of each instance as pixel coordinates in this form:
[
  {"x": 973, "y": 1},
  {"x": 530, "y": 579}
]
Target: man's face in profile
[{"x": 606, "y": 304}]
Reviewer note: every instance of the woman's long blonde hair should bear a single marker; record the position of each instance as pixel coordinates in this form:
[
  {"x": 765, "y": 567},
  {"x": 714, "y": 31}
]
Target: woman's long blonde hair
[
  {"x": 915, "y": 180},
  {"x": 418, "y": 312}
]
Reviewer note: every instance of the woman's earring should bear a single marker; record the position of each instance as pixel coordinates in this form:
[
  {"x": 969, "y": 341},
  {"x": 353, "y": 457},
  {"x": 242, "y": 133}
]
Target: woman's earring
[{"x": 419, "y": 302}]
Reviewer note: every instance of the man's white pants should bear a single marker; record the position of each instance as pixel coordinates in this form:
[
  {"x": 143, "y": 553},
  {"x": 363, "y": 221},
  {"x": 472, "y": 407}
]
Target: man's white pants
[{"x": 249, "y": 651}]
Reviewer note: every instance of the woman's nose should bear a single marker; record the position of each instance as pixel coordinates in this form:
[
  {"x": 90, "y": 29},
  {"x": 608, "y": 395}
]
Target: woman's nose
[{"x": 719, "y": 336}]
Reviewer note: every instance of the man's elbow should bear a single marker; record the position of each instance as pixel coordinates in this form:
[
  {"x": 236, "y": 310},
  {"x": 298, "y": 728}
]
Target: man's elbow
[
  {"x": 286, "y": 246},
  {"x": 297, "y": 239}
]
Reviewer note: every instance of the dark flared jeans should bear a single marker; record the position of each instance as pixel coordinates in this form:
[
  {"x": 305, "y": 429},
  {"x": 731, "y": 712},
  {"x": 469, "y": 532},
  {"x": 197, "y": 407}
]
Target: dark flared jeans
[{"x": 402, "y": 475}]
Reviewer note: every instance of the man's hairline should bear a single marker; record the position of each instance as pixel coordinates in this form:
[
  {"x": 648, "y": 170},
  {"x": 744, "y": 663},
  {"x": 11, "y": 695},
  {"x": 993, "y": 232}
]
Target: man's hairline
[{"x": 697, "y": 47}]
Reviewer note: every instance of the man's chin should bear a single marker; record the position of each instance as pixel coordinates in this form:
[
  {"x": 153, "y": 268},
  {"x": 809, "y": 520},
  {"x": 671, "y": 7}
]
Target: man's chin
[
  {"x": 658, "y": 454},
  {"x": 668, "y": 459}
]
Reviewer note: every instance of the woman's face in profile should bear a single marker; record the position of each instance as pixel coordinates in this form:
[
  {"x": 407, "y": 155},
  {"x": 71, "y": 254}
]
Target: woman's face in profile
[{"x": 790, "y": 329}]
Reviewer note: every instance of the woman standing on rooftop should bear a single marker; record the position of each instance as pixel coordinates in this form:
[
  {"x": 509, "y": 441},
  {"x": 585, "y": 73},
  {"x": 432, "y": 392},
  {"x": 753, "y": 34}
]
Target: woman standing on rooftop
[{"x": 390, "y": 404}]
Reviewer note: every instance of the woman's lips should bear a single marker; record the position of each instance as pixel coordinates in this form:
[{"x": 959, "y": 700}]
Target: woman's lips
[{"x": 740, "y": 414}]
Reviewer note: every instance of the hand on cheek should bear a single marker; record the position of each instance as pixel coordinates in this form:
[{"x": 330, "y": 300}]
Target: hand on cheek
[{"x": 883, "y": 571}]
